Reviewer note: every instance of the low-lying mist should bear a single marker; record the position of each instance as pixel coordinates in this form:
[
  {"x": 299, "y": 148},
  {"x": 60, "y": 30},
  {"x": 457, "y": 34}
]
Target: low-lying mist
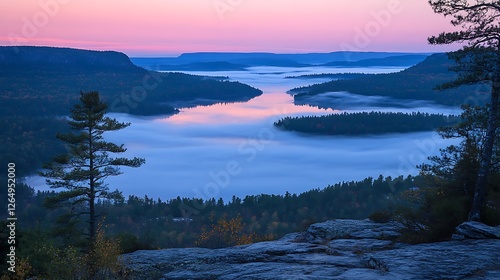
[
  {"x": 215, "y": 160},
  {"x": 234, "y": 149},
  {"x": 357, "y": 102}
]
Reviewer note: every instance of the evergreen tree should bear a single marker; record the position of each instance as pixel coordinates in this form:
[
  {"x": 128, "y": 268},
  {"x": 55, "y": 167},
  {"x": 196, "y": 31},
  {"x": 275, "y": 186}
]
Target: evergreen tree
[
  {"x": 81, "y": 172},
  {"x": 478, "y": 62},
  {"x": 444, "y": 197}
]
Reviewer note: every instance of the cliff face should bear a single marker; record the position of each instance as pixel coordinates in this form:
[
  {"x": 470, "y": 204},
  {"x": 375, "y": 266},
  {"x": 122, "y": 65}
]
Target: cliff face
[
  {"x": 339, "y": 249},
  {"x": 46, "y": 57}
]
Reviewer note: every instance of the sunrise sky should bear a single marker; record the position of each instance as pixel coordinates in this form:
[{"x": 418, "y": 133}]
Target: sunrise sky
[{"x": 172, "y": 27}]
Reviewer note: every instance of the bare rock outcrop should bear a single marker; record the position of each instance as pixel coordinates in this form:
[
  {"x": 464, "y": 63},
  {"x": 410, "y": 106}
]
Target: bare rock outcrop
[
  {"x": 340, "y": 249},
  {"x": 476, "y": 230}
]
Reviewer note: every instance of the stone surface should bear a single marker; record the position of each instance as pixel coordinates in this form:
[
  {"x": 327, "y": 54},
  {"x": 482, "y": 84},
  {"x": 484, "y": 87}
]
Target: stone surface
[
  {"x": 342, "y": 253},
  {"x": 357, "y": 229},
  {"x": 476, "y": 230}
]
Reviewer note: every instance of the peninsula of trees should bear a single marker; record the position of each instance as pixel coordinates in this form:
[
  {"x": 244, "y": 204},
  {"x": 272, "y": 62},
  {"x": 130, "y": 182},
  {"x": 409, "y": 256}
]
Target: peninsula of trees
[
  {"x": 418, "y": 82},
  {"x": 366, "y": 123}
]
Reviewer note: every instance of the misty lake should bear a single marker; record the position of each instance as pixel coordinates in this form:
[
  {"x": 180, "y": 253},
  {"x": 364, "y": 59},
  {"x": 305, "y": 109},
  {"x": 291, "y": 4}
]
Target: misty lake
[{"x": 233, "y": 149}]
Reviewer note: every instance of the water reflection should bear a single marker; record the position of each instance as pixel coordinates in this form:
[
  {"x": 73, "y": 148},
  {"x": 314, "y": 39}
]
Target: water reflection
[
  {"x": 259, "y": 108},
  {"x": 274, "y": 102}
]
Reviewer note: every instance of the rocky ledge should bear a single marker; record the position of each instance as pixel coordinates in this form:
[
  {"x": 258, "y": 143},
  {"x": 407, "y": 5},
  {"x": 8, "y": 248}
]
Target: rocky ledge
[{"x": 338, "y": 249}]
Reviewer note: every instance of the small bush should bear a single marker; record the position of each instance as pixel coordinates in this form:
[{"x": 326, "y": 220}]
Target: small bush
[
  {"x": 225, "y": 233},
  {"x": 102, "y": 259},
  {"x": 23, "y": 271},
  {"x": 130, "y": 243},
  {"x": 306, "y": 223},
  {"x": 435, "y": 221},
  {"x": 383, "y": 216}
]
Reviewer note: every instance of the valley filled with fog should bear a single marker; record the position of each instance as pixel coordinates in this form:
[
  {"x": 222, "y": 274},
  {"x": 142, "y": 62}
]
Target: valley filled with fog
[{"x": 234, "y": 149}]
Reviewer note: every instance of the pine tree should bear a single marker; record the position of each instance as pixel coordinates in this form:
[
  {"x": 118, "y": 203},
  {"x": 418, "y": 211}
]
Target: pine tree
[
  {"x": 478, "y": 62},
  {"x": 81, "y": 172}
]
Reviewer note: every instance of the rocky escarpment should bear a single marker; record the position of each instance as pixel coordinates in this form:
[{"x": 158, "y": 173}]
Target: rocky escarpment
[
  {"x": 339, "y": 249},
  {"x": 50, "y": 58}
]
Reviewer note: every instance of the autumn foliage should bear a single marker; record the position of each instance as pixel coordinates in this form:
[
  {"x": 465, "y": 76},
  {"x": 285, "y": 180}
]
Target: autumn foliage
[{"x": 225, "y": 232}]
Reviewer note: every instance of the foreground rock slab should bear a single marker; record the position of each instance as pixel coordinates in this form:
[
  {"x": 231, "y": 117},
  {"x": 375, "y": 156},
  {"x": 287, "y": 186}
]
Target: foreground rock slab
[
  {"x": 355, "y": 229},
  {"x": 477, "y": 230},
  {"x": 358, "y": 252}
]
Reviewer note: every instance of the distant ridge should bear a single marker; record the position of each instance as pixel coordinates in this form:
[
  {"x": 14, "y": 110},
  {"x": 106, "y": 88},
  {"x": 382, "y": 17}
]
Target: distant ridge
[
  {"x": 304, "y": 58},
  {"x": 399, "y": 60},
  {"x": 266, "y": 59}
]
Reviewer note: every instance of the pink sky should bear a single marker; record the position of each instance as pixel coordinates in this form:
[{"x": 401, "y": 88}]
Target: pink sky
[{"x": 171, "y": 27}]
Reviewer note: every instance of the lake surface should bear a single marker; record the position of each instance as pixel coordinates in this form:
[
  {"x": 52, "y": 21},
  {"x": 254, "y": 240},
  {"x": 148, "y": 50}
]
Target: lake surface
[{"x": 234, "y": 149}]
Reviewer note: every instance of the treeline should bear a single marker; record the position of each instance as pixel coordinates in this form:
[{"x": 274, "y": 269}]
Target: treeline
[
  {"x": 417, "y": 82},
  {"x": 366, "y": 123},
  {"x": 147, "y": 223}
]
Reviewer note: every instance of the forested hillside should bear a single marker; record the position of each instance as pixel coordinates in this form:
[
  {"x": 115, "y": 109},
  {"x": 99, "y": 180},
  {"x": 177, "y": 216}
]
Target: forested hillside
[
  {"x": 392, "y": 61},
  {"x": 47, "y": 81},
  {"x": 417, "y": 82}
]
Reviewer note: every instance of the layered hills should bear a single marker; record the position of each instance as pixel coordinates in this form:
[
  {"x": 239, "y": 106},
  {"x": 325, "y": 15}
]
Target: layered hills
[
  {"x": 47, "y": 81},
  {"x": 220, "y": 61}
]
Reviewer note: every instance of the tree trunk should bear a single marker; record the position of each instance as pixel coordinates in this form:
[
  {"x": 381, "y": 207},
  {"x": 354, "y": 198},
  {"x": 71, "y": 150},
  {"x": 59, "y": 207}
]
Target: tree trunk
[
  {"x": 486, "y": 155},
  {"x": 92, "y": 217},
  {"x": 91, "y": 189}
]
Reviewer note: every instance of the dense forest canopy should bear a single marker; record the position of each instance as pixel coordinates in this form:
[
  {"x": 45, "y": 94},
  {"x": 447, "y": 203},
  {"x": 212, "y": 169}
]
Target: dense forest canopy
[
  {"x": 153, "y": 223},
  {"x": 366, "y": 123}
]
